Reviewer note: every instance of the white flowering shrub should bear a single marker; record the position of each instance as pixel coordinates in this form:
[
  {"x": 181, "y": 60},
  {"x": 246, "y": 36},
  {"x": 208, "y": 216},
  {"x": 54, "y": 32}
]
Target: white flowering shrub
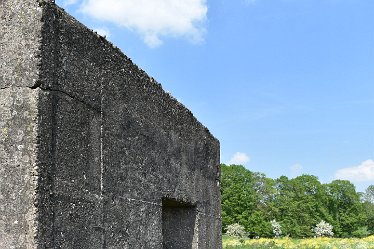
[
  {"x": 277, "y": 231},
  {"x": 323, "y": 229},
  {"x": 235, "y": 230}
]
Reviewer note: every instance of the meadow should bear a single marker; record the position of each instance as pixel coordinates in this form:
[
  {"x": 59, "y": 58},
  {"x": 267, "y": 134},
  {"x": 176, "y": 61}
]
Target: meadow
[{"x": 288, "y": 243}]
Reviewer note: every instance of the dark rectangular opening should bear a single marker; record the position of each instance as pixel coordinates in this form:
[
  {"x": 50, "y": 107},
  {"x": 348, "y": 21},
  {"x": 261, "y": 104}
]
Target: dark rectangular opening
[{"x": 178, "y": 224}]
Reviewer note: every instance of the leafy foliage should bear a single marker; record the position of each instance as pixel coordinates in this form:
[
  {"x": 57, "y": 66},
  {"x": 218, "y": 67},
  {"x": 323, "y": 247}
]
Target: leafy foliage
[
  {"x": 238, "y": 195},
  {"x": 368, "y": 203},
  {"x": 254, "y": 201}
]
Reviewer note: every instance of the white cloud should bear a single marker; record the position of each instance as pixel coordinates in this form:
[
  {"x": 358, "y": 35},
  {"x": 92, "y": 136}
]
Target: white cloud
[
  {"x": 154, "y": 19},
  {"x": 361, "y": 173},
  {"x": 296, "y": 170},
  {"x": 103, "y": 32},
  {"x": 239, "y": 158}
]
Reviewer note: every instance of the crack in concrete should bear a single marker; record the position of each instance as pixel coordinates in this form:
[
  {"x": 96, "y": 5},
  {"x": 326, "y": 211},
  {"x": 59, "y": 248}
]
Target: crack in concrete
[
  {"x": 89, "y": 106},
  {"x": 73, "y": 97},
  {"x": 38, "y": 86}
]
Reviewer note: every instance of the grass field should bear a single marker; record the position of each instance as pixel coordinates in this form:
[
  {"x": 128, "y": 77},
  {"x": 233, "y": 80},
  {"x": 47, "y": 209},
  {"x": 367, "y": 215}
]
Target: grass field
[{"x": 287, "y": 243}]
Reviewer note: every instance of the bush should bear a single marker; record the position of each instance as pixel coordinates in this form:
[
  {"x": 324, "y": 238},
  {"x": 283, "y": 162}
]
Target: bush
[
  {"x": 235, "y": 230},
  {"x": 277, "y": 231},
  {"x": 361, "y": 232},
  {"x": 323, "y": 229}
]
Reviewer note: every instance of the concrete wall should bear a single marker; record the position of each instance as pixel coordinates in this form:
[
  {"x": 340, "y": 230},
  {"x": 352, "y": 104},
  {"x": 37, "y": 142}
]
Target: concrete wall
[
  {"x": 20, "y": 36},
  {"x": 18, "y": 172},
  {"x": 115, "y": 162}
]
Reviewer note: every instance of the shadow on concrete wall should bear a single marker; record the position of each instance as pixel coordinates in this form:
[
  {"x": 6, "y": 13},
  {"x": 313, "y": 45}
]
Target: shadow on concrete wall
[{"x": 178, "y": 224}]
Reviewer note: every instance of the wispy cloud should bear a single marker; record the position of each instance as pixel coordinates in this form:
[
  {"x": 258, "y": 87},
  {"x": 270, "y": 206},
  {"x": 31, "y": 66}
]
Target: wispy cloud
[
  {"x": 152, "y": 20},
  {"x": 103, "y": 31},
  {"x": 239, "y": 158},
  {"x": 360, "y": 173}
]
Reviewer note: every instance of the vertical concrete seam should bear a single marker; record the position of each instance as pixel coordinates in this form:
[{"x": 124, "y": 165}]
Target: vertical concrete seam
[
  {"x": 102, "y": 168},
  {"x": 197, "y": 228},
  {"x": 53, "y": 166},
  {"x": 55, "y": 81}
]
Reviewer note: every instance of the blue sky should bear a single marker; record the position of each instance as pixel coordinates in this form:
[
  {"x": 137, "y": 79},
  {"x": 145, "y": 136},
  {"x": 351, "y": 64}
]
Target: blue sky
[{"x": 287, "y": 86}]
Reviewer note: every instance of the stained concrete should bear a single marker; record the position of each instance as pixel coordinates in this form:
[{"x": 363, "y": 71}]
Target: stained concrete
[{"x": 92, "y": 150}]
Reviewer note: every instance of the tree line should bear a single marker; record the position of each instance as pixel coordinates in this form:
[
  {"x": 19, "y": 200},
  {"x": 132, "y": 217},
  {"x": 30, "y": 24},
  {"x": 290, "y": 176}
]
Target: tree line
[{"x": 253, "y": 200}]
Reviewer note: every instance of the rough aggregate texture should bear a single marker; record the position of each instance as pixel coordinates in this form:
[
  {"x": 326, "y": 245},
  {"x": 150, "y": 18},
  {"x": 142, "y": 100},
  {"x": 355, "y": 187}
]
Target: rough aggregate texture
[
  {"x": 113, "y": 160},
  {"x": 18, "y": 176},
  {"x": 20, "y": 29}
]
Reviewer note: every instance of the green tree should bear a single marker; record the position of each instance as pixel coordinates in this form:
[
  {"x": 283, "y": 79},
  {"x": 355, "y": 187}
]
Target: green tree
[
  {"x": 247, "y": 199},
  {"x": 238, "y": 195},
  {"x": 253, "y": 200},
  {"x": 368, "y": 204},
  {"x": 258, "y": 225},
  {"x": 265, "y": 195},
  {"x": 301, "y": 204},
  {"x": 369, "y": 194},
  {"x": 345, "y": 208}
]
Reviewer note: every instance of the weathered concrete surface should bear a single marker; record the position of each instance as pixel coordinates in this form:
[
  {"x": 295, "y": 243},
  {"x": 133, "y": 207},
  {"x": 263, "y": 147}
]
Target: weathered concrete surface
[
  {"x": 18, "y": 172},
  {"x": 20, "y": 29},
  {"x": 109, "y": 151},
  {"x": 184, "y": 217},
  {"x": 77, "y": 205}
]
